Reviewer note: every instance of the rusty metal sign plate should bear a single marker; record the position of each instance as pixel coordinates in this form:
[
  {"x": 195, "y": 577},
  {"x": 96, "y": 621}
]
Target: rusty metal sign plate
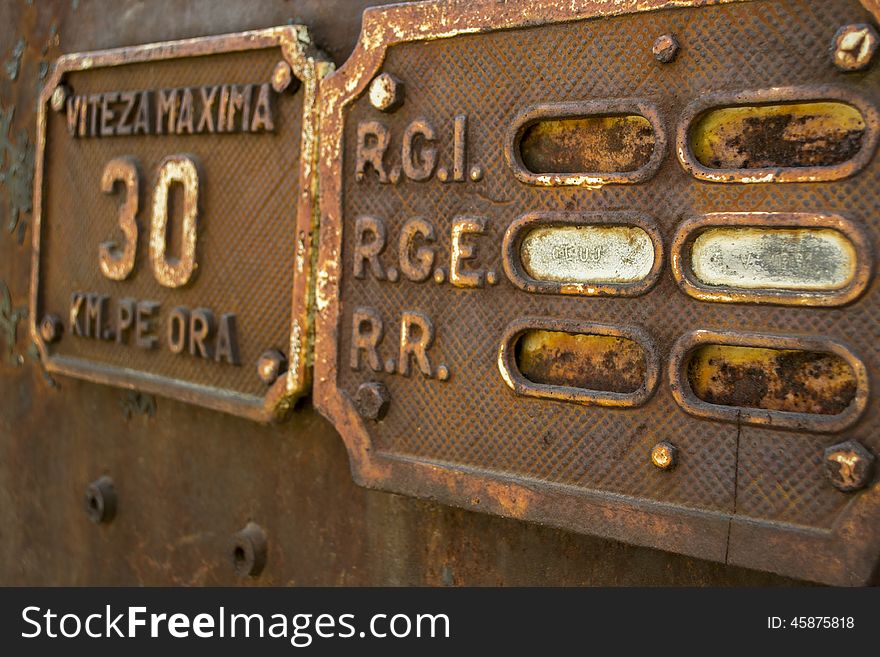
[
  {"x": 174, "y": 218},
  {"x": 609, "y": 266}
]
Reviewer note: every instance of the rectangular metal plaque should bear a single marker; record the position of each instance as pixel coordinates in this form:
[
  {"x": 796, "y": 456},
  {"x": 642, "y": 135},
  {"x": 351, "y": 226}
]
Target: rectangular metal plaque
[
  {"x": 513, "y": 316},
  {"x": 175, "y": 215}
]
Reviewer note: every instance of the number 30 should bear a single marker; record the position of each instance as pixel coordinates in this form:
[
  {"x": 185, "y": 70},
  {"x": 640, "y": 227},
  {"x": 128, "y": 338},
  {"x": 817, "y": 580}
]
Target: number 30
[{"x": 116, "y": 262}]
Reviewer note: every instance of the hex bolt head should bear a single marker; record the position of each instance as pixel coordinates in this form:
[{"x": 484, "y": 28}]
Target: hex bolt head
[
  {"x": 848, "y": 465},
  {"x": 51, "y": 328},
  {"x": 281, "y": 76},
  {"x": 386, "y": 92},
  {"x": 372, "y": 400},
  {"x": 249, "y": 551},
  {"x": 854, "y": 46},
  {"x": 664, "y": 455},
  {"x": 270, "y": 366},
  {"x": 101, "y": 500},
  {"x": 665, "y": 48},
  {"x": 59, "y": 97}
]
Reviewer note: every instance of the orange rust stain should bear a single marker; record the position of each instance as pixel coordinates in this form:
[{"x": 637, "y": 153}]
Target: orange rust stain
[
  {"x": 593, "y": 144},
  {"x": 774, "y": 379},
  {"x": 781, "y": 135},
  {"x": 590, "y": 362}
]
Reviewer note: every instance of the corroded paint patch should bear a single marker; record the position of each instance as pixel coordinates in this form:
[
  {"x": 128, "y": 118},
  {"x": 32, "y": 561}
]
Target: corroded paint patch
[
  {"x": 589, "y": 362},
  {"x": 773, "y": 258},
  {"x": 587, "y": 254},
  {"x": 592, "y": 144},
  {"x": 809, "y": 134},
  {"x": 790, "y": 380}
]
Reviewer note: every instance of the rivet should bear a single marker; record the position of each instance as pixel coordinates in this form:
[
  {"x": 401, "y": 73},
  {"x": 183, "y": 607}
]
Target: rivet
[
  {"x": 372, "y": 400},
  {"x": 848, "y": 465},
  {"x": 101, "y": 500},
  {"x": 270, "y": 366},
  {"x": 59, "y": 97},
  {"x": 476, "y": 174},
  {"x": 386, "y": 92},
  {"x": 665, "y": 48},
  {"x": 281, "y": 76},
  {"x": 51, "y": 328},
  {"x": 249, "y": 551},
  {"x": 664, "y": 455},
  {"x": 854, "y": 46}
]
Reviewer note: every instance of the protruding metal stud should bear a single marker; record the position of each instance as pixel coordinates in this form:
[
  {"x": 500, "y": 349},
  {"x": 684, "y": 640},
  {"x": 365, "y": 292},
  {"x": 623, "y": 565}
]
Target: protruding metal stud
[
  {"x": 664, "y": 455},
  {"x": 59, "y": 97},
  {"x": 854, "y": 46},
  {"x": 372, "y": 400},
  {"x": 386, "y": 92},
  {"x": 282, "y": 76},
  {"x": 51, "y": 328},
  {"x": 848, "y": 465},
  {"x": 270, "y": 366},
  {"x": 665, "y": 48}
]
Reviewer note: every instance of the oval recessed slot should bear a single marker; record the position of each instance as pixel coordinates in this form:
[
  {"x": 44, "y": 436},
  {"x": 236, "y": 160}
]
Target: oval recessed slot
[
  {"x": 774, "y": 258},
  {"x": 591, "y": 253},
  {"x": 785, "y": 135},
  {"x": 573, "y": 361},
  {"x": 806, "y": 134},
  {"x": 603, "y": 363},
  {"x": 591, "y": 143},
  {"x": 788, "y": 380},
  {"x": 587, "y": 254}
]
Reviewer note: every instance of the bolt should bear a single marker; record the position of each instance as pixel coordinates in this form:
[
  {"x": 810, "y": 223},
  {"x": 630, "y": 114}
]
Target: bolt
[
  {"x": 854, "y": 46},
  {"x": 281, "y": 76},
  {"x": 372, "y": 400},
  {"x": 101, "y": 500},
  {"x": 270, "y": 366},
  {"x": 59, "y": 97},
  {"x": 51, "y": 328},
  {"x": 664, "y": 455},
  {"x": 249, "y": 551},
  {"x": 848, "y": 465},
  {"x": 665, "y": 48},
  {"x": 386, "y": 92}
]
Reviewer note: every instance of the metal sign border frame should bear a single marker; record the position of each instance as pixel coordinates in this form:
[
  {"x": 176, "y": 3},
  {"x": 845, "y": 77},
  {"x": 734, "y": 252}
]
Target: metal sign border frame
[
  {"x": 820, "y": 555},
  {"x": 309, "y": 66}
]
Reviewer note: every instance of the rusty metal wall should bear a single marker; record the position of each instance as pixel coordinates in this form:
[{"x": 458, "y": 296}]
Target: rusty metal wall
[{"x": 189, "y": 478}]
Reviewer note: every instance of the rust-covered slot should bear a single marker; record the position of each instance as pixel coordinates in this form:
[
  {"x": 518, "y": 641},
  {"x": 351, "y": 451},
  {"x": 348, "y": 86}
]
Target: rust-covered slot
[
  {"x": 792, "y": 134},
  {"x": 589, "y": 253},
  {"x": 586, "y": 143},
  {"x": 581, "y": 362},
  {"x": 807, "y": 384},
  {"x": 805, "y": 259}
]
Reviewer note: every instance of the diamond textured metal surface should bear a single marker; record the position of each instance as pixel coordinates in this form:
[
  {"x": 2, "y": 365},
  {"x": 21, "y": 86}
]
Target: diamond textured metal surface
[
  {"x": 253, "y": 230},
  {"x": 742, "y": 494}
]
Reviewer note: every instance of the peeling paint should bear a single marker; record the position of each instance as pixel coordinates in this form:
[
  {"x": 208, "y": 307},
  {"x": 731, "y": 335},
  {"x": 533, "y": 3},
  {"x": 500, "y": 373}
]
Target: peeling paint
[
  {"x": 9, "y": 319},
  {"x": 16, "y": 174},
  {"x": 13, "y": 64}
]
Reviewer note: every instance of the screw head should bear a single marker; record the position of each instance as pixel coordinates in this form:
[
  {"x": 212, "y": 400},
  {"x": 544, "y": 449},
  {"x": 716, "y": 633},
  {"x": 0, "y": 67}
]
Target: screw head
[
  {"x": 59, "y": 97},
  {"x": 665, "y": 48},
  {"x": 249, "y": 551},
  {"x": 51, "y": 328},
  {"x": 281, "y": 76},
  {"x": 854, "y": 46},
  {"x": 848, "y": 465},
  {"x": 386, "y": 92},
  {"x": 372, "y": 400},
  {"x": 101, "y": 500},
  {"x": 270, "y": 365},
  {"x": 664, "y": 455}
]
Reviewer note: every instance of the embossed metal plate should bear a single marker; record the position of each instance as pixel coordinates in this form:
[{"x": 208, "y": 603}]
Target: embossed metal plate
[
  {"x": 175, "y": 215},
  {"x": 486, "y": 168}
]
